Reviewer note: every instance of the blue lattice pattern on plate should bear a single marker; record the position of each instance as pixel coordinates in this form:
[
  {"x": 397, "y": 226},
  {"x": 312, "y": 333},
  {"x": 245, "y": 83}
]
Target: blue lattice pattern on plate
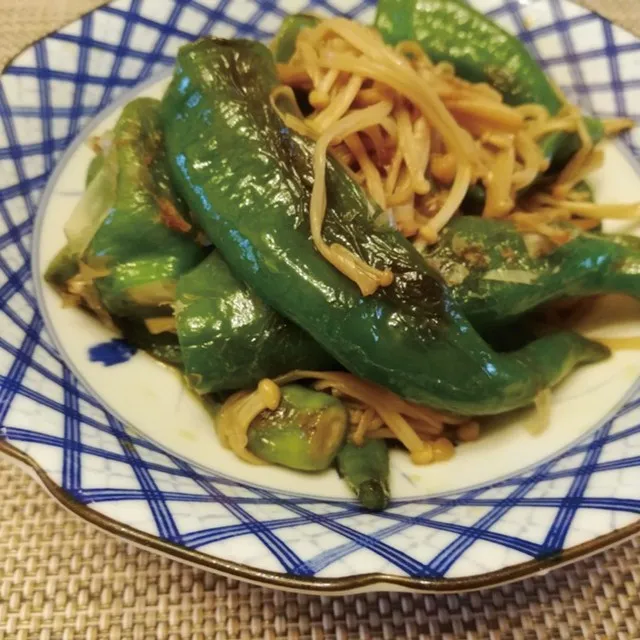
[{"x": 46, "y": 96}]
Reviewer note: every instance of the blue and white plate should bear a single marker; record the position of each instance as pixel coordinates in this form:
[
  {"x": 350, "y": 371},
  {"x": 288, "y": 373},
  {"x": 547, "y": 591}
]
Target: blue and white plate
[{"x": 126, "y": 447}]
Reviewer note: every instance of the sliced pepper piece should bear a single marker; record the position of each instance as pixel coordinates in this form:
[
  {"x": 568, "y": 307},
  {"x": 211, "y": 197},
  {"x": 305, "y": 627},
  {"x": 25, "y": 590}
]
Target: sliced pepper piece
[
  {"x": 305, "y": 432},
  {"x": 230, "y": 339},
  {"x": 248, "y": 178}
]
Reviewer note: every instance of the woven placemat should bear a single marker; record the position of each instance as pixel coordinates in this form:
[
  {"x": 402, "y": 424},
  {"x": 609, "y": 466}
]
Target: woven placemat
[{"x": 62, "y": 579}]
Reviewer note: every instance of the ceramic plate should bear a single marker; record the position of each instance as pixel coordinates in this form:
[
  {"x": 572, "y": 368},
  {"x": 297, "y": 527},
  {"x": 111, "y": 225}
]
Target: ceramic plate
[{"x": 128, "y": 449}]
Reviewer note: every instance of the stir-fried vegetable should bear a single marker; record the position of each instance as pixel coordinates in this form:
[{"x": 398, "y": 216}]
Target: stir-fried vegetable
[
  {"x": 129, "y": 237},
  {"x": 146, "y": 241},
  {"x": 409, "y": 337},
  {"x": 305, "y": 432},
  {"x": 283, "y": 294}
]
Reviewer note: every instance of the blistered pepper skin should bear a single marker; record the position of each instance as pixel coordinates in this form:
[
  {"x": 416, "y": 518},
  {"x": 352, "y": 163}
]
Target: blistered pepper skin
[{"x": 247, "y": 178}]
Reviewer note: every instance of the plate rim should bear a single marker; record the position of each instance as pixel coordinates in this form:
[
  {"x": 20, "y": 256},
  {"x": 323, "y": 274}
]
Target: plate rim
[
  {"x": 323, "y": 586},
  {"x": 312, "y": 585}
]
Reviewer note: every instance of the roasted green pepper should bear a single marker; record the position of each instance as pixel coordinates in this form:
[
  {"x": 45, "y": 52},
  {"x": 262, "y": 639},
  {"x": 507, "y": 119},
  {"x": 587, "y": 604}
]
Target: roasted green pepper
[
  {"x": 495, "y": 277},
  {"x": 230, "y": 339},
  {"x": 365, "y": 469},
  {"x": 145, "y": 241},
  {"x": 130, "y": 229},
  {"x": 305, "y": 432},
  {"x": 247, "y": 178}
]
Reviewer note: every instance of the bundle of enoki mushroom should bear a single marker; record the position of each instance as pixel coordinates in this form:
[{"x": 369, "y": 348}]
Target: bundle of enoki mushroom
[
  {"x": 374, "y": 412},
  {"x": 417, "y": 138}
]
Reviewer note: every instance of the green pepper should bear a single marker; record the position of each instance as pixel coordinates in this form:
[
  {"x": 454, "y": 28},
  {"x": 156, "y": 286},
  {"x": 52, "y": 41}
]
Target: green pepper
[
  {"x": 230, "y": 339},
  {"x": 129, "y": 227},
  {"x": 452, "y": 31},
  {"x": 284, "y": 42},
  {"x": 247, "y": 178},
  {"x": 495, "y": 279},
  {"x": 481, "y": 51},
  {"x": 305, "y": 432},
  {"x": 365, "y": 469},
  {"x": 145, "y": 240}
]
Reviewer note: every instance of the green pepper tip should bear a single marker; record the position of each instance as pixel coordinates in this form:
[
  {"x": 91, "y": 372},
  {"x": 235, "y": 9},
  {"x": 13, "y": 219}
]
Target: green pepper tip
[{"x": 373, "y": 495}]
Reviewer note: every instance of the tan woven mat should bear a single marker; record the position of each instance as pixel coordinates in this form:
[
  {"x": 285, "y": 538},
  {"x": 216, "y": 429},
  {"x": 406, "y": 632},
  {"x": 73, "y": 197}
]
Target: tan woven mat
[{"x": 61, "y": 579}]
